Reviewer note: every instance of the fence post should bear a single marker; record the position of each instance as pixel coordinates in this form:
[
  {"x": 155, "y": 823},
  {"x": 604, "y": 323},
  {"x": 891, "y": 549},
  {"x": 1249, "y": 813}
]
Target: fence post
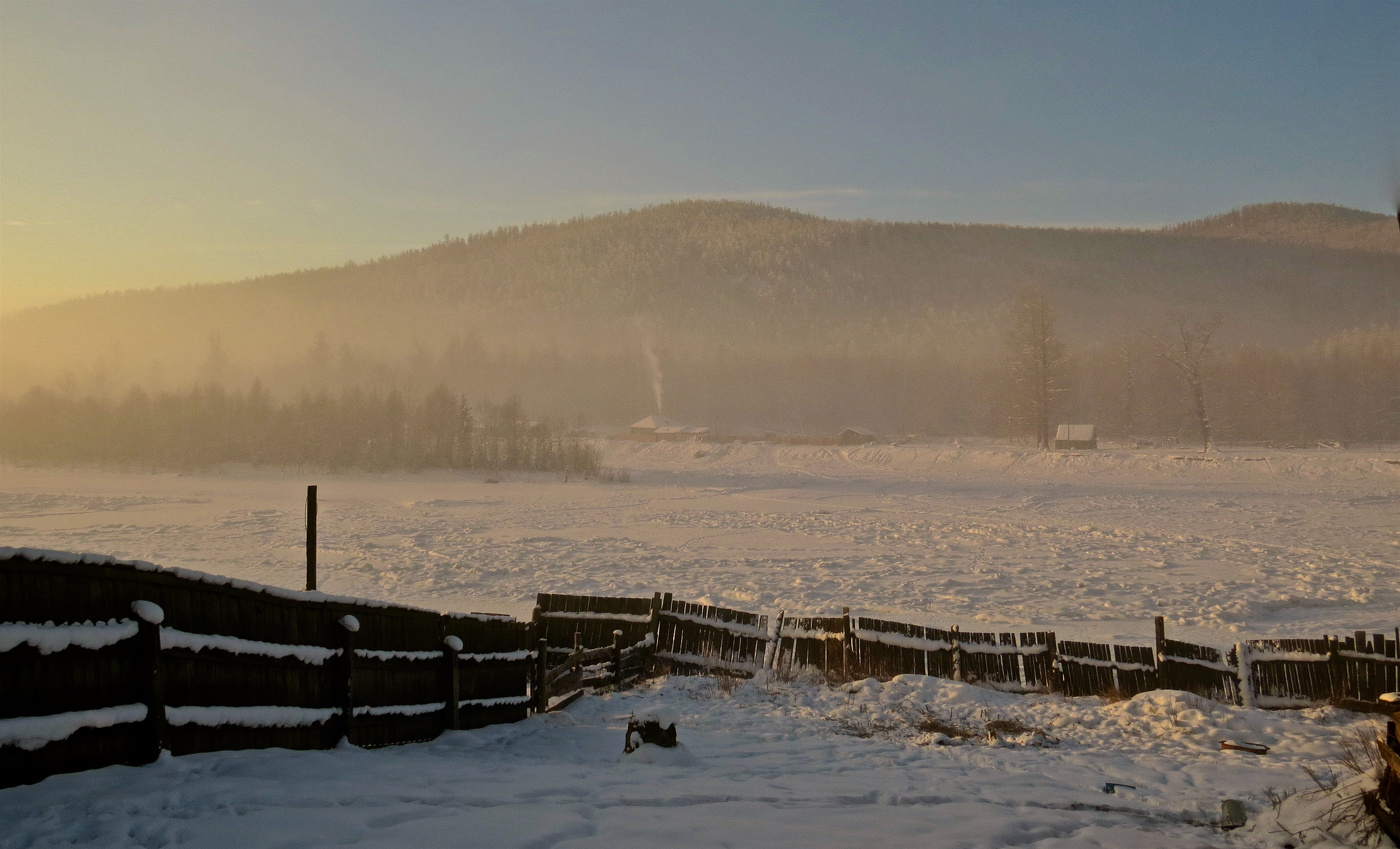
[
  {"x": 311, "y": 537},
  {"x": 1335, "y": 669},
  {"x": 451, "y": 647},
  {"x": 845, "y": 644},
  {"x": 654, "y": 618},
  {"x": 1243, "y": 673},
  {"x": 1242, "y": 670},
  {"x": 617, "y": 659},
  {"x": 1159, "y": 653},
  {"x": 349, "y": 626},
  {"x": 541, "y": 669},
  {"x": 149, "y": 615},
  {"x": 957, "y": 653},
  {"x": 773, "y": 658},
  {"x": 1053, "y": 667}
]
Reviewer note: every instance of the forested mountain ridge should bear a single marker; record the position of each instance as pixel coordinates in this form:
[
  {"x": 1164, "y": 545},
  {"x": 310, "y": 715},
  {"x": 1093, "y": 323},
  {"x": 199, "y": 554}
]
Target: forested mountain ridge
[
  {"x": 747, "y": 307},
  {"x": 1316, "y": 224}
]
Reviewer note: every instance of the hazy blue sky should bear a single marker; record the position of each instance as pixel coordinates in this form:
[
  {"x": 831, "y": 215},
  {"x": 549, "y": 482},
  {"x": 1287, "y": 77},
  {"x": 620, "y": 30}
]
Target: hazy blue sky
[{"x": 160, "y": 143}]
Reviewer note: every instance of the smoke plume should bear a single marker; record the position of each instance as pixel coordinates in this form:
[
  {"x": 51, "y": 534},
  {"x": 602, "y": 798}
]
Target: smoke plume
[{"x": 653, "y": 361}]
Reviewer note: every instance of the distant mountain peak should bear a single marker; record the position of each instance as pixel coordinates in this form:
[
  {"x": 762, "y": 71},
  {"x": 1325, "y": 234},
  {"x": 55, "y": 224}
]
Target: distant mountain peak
[{"x": 1315, "y": 224}]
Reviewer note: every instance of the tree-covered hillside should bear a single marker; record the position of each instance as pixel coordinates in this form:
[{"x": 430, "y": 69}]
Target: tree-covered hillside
[{"x": 754, "y": 315}]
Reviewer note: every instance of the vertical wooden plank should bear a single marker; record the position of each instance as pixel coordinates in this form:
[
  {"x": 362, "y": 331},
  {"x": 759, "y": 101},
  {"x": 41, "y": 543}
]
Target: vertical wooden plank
[
  {"x": 311, "y": 537},
  {"x": 349, "y": 625},
  {"x": 148, "y": 618},
  {"x": 451, "y": 647},
  {"x": 617, "y": 660},
  {"x": 845, "y": 644},
  {"x": 541, "y": 692},
  {"x": 957, "y": 654}
]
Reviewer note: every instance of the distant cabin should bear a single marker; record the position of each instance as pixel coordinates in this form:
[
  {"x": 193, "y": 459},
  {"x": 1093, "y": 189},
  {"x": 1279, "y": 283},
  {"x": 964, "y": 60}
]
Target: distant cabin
[
  {"x": 1071, "y": 437},
  {"x": 645, "y": 430},
  {"x": 856, "y": 436}
]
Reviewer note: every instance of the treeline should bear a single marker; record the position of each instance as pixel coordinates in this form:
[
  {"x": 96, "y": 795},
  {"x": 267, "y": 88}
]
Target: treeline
[
  {"x": 1345, "y": 389},
  {"x": 207, "y": 426}
]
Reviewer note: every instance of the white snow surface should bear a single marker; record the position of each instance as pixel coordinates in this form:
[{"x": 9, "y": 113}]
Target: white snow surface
[
  {"x": 49, "y": 638},
  {"x": 1091, "y": 544},
  {"x": 768, "y": 764}
]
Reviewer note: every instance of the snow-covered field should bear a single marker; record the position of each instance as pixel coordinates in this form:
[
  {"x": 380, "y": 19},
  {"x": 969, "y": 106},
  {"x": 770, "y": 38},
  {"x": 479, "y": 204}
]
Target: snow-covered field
[{"x": 1093, "y": 545}]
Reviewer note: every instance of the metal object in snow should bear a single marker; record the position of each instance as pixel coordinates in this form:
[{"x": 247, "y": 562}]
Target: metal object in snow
[
  {"x": 1252, "y": 748},
  {"x": 1112, "y": 786},
  {"x": 1231, "y": 814}
]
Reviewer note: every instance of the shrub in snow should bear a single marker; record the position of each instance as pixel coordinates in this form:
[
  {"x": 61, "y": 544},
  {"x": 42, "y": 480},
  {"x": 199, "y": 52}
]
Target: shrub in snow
[{"x": 656, "y": 728}]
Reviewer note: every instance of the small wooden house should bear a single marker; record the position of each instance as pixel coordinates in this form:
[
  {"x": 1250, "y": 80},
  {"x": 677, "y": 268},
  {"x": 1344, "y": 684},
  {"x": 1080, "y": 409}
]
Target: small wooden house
[
  {"x": 1072, "y": 437},
  {"x": 856, "y": 436},
  {"x": 646, "y": 429}
]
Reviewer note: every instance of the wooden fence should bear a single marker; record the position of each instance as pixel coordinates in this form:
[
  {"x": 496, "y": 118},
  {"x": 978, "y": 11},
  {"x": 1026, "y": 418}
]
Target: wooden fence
[
  {"x": 1350, "y": 672},
  {"x": 103, "y": 662},
  {"x": 146, "y": 659}
]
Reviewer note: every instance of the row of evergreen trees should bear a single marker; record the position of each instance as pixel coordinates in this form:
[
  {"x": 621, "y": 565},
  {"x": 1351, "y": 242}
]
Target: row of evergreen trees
[{"x": 207, "y": 426}]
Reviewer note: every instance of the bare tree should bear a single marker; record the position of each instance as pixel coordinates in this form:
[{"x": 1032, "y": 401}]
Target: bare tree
[
  {"x": 1186, "y": 348},
  {"x": 1037, "y": 362}
]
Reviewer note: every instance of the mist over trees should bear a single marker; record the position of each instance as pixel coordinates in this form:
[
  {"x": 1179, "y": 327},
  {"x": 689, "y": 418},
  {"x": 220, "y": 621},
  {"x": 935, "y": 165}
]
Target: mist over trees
[
  {"x": 207, "y": 426},
  {"x": 759, "y": 319},
  {"x": 1036, "y": 363}
]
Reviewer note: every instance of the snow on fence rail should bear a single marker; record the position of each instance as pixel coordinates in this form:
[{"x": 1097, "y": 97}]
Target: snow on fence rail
[{"x": 212, "y": 665}]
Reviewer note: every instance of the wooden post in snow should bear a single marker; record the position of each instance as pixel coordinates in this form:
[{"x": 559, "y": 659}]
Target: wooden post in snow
[
  {"x": 311, "y": 537},
  {"x": 451, "y": 648},
  {"x": 149, "y": 615},
  {"x": 1159, "y": 654},
  {"x": 541, "y": 692},
  {"x": 349, "y": 626},
  {"x": 617, "y": 660},
  {"x": 957, "y": 652},
  {"x": 773, "y": 657},
  {"x": 846, "y": 644}
]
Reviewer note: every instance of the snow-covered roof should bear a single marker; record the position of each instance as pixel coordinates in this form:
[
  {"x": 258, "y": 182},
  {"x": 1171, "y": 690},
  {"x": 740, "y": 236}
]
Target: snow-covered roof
[
  {"x": 661, "y": 431},
  {"x": 1075, "y": 433},
  {"x": 860, "y": 430},
  {"x": 654, "y": 423}
]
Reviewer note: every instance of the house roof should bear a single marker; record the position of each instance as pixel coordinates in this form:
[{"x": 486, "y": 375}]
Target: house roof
[
  {"x": 654, "y": 423},
  {"x": 1075, "y": 433}
]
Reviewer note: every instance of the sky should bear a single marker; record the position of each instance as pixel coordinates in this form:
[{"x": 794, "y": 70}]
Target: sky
[{"x": 156, "y": 144}]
